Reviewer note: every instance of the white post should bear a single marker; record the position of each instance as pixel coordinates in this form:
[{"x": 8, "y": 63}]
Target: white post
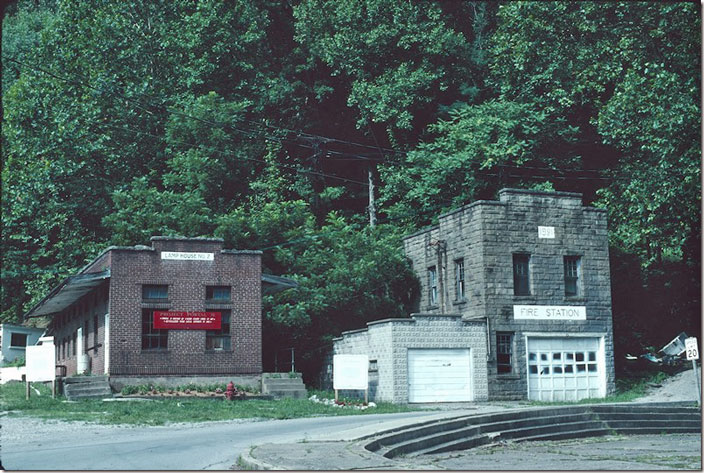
[
  {"x": 106, "y": 343},
  {"x": 81, "y": 358}
]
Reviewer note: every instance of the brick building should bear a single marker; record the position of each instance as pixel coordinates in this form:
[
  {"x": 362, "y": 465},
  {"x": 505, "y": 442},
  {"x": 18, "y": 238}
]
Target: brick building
[
  {"x": 179, "y": 309},
  {"x": 533, "y": 270}
]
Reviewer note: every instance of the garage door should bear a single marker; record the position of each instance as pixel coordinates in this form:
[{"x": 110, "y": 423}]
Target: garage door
[
  {"x": 564, "y": 369},
  {"x": 439, "y": 375}
]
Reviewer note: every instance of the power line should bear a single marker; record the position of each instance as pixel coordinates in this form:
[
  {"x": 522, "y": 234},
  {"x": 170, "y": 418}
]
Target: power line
[{"x": 343, "y": 156}]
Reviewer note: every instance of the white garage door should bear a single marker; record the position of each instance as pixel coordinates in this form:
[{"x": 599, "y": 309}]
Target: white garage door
[
  {"x": 564, "y": 369},
  {"x": 439, "y": 375}
]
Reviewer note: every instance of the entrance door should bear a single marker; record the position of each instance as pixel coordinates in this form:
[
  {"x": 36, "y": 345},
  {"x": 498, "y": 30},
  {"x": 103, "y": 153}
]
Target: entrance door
[
  {"x": 565, "y": 369},
  {"x": 439, "y": 375}
]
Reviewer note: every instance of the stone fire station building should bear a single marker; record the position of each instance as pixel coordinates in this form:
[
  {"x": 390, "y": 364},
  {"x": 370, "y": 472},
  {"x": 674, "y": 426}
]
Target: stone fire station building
[
  {"x": 180, "y": 308},
  {"x": 515, "y": 304}
]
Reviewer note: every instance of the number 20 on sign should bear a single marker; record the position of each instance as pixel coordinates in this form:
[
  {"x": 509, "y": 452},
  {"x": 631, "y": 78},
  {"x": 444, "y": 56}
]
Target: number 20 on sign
[{"x": 690, "y": 345}]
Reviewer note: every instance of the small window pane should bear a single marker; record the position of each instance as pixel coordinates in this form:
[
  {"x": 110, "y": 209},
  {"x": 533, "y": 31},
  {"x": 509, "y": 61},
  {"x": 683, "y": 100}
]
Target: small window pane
[
  {"x": 217, "y": 293},
  {"x": 521, "y": 276},
  {"x": 18, "y": 340},
  {"x": 220, "y": 339},
  {"x": 459, "y": 279},
  {"x": 155, "y": 291}
]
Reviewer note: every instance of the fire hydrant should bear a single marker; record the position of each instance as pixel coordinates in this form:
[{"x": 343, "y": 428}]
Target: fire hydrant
[{"x": 231, "y": 391}]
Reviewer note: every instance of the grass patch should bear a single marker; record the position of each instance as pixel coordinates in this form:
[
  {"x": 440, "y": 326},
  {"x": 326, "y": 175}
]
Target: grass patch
[{"x": 168, "y": 410}]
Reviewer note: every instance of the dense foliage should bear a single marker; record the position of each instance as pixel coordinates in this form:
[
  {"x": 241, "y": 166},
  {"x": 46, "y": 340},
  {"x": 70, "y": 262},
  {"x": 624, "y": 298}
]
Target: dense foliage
[{"x": 260, "y": 122}]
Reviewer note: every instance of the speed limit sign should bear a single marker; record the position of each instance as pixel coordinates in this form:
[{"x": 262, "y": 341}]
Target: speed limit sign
[{"x": 690, "y": 345}]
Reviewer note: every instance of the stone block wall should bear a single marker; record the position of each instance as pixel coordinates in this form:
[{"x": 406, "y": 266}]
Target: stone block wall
[
  {"x": 388, "y": 341},
  {"x": 486, "y": 234}
]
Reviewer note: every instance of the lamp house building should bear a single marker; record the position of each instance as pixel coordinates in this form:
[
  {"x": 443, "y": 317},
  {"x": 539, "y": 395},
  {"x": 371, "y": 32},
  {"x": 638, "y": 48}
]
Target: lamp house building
[
  {"x": 515, "y": 303},
  {"x": 180, "y": 309}
]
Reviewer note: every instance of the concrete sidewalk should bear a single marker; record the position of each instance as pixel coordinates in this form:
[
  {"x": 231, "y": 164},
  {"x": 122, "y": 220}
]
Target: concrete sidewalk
[{"x": 345, "y": 451}]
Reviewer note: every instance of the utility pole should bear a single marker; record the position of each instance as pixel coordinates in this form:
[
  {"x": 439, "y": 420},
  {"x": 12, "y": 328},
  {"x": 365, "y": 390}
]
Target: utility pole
[{"x": 372, "y": 205}]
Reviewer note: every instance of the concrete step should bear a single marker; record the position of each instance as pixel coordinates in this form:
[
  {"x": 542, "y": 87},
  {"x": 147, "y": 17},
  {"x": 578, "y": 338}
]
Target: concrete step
[
  {"x": 85, "y": 379},
  {"x": 291, "y": 393},
  {"x": 469, "y": 437},
  {"x": 537, "y": 424},
  {"x": 87, "y": 387},
  {"x": 283, "y": 383}
]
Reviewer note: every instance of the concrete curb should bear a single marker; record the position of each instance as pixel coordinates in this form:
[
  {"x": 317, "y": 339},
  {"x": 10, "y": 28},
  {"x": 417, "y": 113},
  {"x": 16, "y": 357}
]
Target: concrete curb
[{"x": 248, "y": 461}]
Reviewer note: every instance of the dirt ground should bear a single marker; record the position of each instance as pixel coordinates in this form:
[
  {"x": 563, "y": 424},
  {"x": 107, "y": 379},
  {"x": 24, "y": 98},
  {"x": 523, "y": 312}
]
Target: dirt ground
[{"x": 680, "y": 387}]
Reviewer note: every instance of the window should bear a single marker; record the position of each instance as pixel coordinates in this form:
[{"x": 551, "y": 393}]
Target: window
[
  {"x": 459, "y": 280},
  {"x": 432, "y": 285},
  {"x": 73, "y": 344},
  {"x": 152, "y": 339},
  {"x": 217, "y": 293},
  {"x": 572, "y": 268},
  {"x": 155, "y": 292},
  {"x": 504, "y": 351},
  {"x": 373, "y": 366},
  {"x": 85, "y": 338},
  {"x": 18, "y": 340},
  {"x": 220, "y": 339},
  {"x": 521, "y": 277}
]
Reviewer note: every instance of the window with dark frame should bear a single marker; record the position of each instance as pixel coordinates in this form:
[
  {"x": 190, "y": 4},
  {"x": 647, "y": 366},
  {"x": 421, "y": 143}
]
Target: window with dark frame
[
  {"x": 220, "y": 339},
  {"x": 155, "y": 292},
  {"x": 459, "y": 279},
  {"x": 521, "y": 275},
  {"x": 572, "y": 268},
  {"x": 504, "y": 352},
  {"x": 152, "y": 339},
  {"x": 432, "y": 285},
  {"x": 18, "y": 340},
  {"x": 75, "y": 337},
  {"x": 217, "y": 293}
]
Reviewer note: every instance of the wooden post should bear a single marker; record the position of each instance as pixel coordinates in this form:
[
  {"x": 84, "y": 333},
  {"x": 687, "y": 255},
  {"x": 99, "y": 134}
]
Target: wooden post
[
  {"x": 696, "y": 377},
  {"x": 366, "y": 397},
  {"x": 336, "y": 396},
  {"x": 53, "y": 388},
  {"x": 27, "y": 391}
]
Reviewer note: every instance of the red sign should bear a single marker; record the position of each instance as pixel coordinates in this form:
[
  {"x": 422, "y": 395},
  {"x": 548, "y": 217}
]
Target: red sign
[{"x": 173, "y": 320}]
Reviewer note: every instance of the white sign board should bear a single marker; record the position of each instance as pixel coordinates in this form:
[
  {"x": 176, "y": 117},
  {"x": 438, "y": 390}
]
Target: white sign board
[
  {"x": 549, "y": 312},
  {"x": 350, "y": 372},
  {"x": 40, "y": 362},
  {"x": 690, "y": 346},
  {"x": 187, "y": 256},
  {"x": 546, "y": 232}
]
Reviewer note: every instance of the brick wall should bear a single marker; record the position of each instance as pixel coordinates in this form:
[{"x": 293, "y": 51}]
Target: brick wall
[
  {"x": 65, "y": 324},
  {"x": 186, "y": 354},
  {"x": 187, "y": 281}
]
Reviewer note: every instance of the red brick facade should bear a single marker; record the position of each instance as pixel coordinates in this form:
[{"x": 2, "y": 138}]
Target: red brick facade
[{"x": 120, "y": 296}]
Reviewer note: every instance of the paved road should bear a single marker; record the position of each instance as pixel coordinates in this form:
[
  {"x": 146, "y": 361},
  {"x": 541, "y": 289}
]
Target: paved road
[{"x": 31, "y": 444}]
